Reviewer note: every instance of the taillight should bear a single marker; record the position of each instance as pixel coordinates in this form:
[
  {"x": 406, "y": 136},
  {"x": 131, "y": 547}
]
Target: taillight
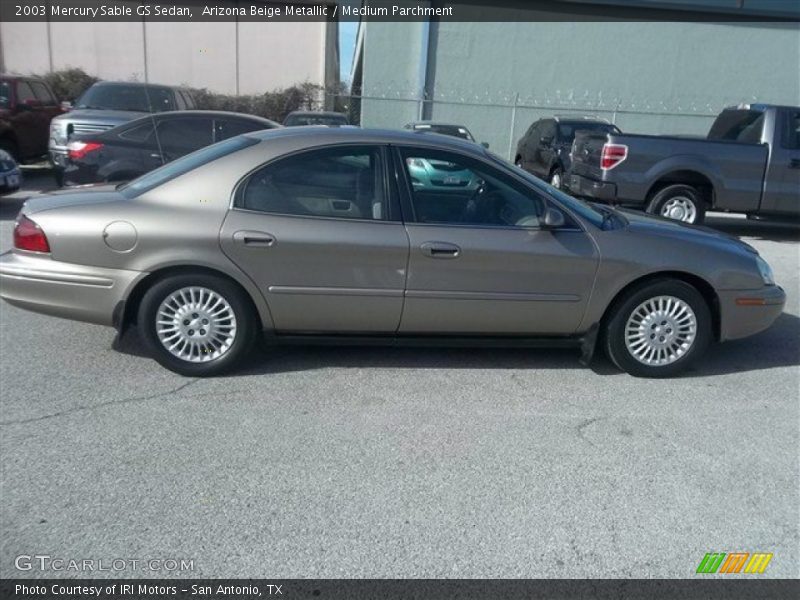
[
  {"x": 612, "y": 155},
  {"x": 29, "y": 236},
  {"x": 77, "y": 150}
]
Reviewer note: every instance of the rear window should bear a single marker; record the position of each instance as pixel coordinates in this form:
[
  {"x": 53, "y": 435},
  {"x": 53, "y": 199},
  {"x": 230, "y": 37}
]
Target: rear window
[
  {"x": 451, "y": 130},
  {"x": 740, "y": 125},
  {"x": 567, "y": 130},
  {"x": 183, "y": 165},
  {"x": 135, "y": 98}
]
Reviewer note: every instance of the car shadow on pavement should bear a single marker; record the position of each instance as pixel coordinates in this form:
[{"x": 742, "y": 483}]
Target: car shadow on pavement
[
  {"x": 777, "y": 347},
  {"x": 774, "y": 231}
]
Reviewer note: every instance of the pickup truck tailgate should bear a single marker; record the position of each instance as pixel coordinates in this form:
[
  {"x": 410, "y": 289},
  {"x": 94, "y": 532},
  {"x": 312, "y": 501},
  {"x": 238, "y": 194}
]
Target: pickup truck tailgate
[{"x": 586, "y": 150}]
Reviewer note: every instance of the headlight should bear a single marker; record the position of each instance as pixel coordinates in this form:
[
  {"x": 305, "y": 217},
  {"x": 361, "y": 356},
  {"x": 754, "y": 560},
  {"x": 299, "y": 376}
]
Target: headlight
[
  {"x": 766, "y": 271},
  {"x": 58, "y": 132}
]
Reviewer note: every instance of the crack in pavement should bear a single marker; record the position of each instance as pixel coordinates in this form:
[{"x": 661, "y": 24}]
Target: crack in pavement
[{"x": 100, "y": 405}]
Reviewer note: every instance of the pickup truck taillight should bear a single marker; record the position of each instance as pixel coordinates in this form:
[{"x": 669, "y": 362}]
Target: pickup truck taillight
[
  {"x": 77, "y": 150},
  {"x": 612, "y": 155},
  {"x": 29, "y": 236}
]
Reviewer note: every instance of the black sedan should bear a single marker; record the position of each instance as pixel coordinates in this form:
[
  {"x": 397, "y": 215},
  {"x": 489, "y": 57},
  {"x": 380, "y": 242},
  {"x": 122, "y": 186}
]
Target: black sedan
[{"x": 139, "y": 146}]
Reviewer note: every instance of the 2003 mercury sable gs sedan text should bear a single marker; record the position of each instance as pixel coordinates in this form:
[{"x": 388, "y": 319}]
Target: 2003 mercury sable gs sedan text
[{"x": 316, "y": 234}]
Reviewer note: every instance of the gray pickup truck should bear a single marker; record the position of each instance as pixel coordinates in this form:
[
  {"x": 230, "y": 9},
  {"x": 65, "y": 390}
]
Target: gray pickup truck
[{"x": 749, "y": 163}]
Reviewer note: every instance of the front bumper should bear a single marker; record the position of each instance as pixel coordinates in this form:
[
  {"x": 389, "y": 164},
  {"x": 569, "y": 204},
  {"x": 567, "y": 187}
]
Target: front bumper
[
  {"x": 58, "y": 155},
  {"x": 10, "y": 180},
  {"x": 747, "y": 312},
  {"x": 591, "y": 188},
  {"x": 40, "y": 284}
]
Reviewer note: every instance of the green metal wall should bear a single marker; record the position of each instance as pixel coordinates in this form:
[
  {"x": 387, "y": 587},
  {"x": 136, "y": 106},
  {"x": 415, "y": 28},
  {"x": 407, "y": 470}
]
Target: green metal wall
[{"x": 648, "y": 77}]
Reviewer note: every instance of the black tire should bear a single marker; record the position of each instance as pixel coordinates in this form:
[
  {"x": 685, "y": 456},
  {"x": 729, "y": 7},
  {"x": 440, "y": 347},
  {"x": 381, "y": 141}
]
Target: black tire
[
  {"x": 240, "y": 304},
  {"x": 557, "y": 172},
  {"x": 58, "y": 175},
  {"x": 619, "y": 315},
  {"x": 11, "y": 147},
  {"x": 680, "y": 194}
]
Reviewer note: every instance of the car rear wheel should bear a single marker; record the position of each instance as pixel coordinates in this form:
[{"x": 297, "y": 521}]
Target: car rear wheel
[
  {"x": 197, "y": 325},
  {"x": 679, "y": 202},
  {"x": 658, "y": 329}
]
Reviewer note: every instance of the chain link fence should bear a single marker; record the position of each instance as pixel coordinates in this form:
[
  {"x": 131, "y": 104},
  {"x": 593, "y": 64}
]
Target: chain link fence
[{"x": 502, "y": 117}]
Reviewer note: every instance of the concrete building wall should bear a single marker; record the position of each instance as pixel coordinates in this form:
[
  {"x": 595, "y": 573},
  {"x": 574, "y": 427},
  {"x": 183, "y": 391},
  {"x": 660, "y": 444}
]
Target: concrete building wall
[
  {"x": 645, "y": 76},
  {"x": 224, "y": 57}
]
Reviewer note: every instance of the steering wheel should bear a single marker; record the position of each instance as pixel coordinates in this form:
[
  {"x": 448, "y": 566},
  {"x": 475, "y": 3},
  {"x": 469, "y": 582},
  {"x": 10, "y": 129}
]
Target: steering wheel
[{"x": 473, "y": 205}]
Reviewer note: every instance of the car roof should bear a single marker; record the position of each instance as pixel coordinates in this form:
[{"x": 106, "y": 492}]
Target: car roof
[
  {"x": 207, "y": 113},
  {"x": 435, "y": 123},
  {"x": 136, "y": 84},
  {"x": 23, "y": 77},
  {"x": 322, "y": 135},
  {"x": 317, "y": 113}
]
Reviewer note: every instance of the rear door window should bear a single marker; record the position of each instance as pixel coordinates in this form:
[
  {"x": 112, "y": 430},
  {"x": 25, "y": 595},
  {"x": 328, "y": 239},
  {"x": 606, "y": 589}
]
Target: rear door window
[
  {"x": 791, "y": 131},
  {"x": 24, "y": 92},
  {"x": 228, "y": 128},
  {"x": 185, "y": 134},
  {"x": 42, "y": 93},
  {"x": 342, "y": 182}
]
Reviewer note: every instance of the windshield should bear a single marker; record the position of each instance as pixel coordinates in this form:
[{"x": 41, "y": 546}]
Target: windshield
[
  {"x": 589, "y": 212},
  {"x": 451, "y": 130},
  {"x": 183, "y": 165},
  {"x": 295, "y": 120},
  {"x": 567, "y": 130},
  {"x": 136, "y": 98}
]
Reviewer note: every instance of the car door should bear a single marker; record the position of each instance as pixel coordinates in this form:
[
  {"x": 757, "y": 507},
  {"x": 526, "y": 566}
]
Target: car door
[
  {"x": 181, "y": 135},
  {"x": 528, "y": 146},
  {"x": 479, "y": 261},
  {"x": 27, "y": 122},
  {"x": 320, "y": 233},
  {"x": 545, "y": 149},
  {"x": 47, "y": 109},
  {"x": 782, "y": 189}
]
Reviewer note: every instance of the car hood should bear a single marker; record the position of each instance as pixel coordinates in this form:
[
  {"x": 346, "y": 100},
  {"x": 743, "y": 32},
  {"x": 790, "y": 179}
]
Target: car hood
[
  {"x": 654, "y": 225},
  {"x": 116, "y": 117},
  {"x": 90, "y": 194}
]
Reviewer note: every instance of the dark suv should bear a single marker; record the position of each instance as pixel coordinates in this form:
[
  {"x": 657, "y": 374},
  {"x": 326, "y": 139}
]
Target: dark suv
[
  {"x": 26, "y": 106},
  {"x": 107, "y": 104},
  {"x": 545, "y": 147}
]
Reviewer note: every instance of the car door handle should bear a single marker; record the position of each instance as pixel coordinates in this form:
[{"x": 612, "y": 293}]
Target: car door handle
[
  {"x": 440, "y": 250},
  {"x": 254, "y": 239},
  {"x": 794, "y": 163}
]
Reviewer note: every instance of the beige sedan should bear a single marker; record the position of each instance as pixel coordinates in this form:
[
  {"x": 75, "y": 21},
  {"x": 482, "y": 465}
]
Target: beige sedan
[{"x": 323, "y": 235}]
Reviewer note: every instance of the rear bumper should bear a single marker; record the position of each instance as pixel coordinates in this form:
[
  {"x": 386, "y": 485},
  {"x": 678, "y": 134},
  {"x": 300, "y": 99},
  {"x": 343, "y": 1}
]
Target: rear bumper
[
  {"x": 40, "y": 284},
  {"x": 591, "y": 188},
  {"x": 747, "y": 312}
]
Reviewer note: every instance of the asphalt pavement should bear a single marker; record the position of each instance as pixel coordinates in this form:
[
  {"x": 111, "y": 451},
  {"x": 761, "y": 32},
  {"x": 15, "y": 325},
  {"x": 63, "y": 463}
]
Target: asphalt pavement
[{"x": 375, "y": 462}]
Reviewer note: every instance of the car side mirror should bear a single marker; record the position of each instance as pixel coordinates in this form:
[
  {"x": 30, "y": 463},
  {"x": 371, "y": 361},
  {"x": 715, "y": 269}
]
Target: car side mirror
[
  {"x": 66, "y": 106},
  {"x": 553, "y": 218},
  {"x": 485, "y": 145}
]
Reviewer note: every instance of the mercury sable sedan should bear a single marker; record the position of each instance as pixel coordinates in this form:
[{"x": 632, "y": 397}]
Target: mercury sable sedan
[{"x": 319, "y": 235}]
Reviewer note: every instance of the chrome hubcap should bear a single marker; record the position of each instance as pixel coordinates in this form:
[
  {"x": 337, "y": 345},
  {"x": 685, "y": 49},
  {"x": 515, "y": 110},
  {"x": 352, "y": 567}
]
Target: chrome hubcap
[
  {"x": 196, "y": 324},
  {"x": 660, "y": 331},
  {"x": 680, "y": 208}
]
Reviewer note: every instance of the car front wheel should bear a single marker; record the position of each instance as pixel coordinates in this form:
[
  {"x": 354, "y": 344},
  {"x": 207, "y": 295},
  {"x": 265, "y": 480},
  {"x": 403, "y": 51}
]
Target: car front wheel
[
  {"x": 658, "y": 329},
  {"x": 197, "y": 325}
]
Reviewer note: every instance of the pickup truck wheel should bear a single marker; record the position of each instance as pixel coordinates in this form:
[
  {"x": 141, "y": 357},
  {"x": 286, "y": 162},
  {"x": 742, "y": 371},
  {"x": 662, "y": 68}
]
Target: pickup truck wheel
[
  {"x": 679, "y": 202},
  {"x": 658, "y": 329}
]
